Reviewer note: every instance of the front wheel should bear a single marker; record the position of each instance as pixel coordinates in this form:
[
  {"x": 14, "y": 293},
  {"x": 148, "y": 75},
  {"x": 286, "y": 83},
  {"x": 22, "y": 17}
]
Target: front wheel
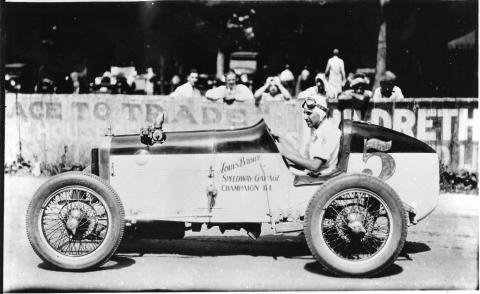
[
  {"x": 355, "y": 225},
  {"x": 75, "y": 221}
]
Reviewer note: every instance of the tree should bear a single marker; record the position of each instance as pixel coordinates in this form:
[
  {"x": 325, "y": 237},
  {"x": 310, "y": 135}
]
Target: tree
[{"x": 382, "y": 44}]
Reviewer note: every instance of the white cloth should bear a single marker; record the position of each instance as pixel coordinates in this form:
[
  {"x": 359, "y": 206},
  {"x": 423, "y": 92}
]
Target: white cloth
[
  {"x": 286, "y": 76},
  {"x": 239, "y": 92},
  {"x": 396, "y": 94},
  {"x": 313, "y": 92},
  {"x": 325, "y": 144},
  {"x": 277, "y": 97},
  {"x": 186, "y": 90},
  {"x": 336, "y": 73}
]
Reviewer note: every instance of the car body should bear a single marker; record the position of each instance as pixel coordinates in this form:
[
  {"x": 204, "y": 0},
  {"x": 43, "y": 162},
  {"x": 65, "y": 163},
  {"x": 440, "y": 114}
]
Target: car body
[
  {"x": 245, "y": 167},
  {"x": 154, "y": 184}
]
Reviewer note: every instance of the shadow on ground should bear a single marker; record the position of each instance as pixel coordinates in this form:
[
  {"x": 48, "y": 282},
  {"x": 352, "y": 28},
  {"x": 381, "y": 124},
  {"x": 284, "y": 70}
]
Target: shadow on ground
[
  {"x": 285, "y": 246},
  {"x": 115, "y": 262},
  {"x": 412, "y": 248},
  {"x": 316, "y": 268}
]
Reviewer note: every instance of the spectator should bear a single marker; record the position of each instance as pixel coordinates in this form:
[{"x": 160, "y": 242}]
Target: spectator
[
  {"x": 75, "y": 82},
  {"x": 174, "y": 82},
  {"x": 245, "y": 80},
  {"x": 287, "y": 78},
  {"x": 304, "y": 81},
  {"x": 149, "y": 85},
  {"x": 387, "y": 88},
  {"x": 45, "y": 86},
  {"x": 335, "y": 72},
  {"x": 189, "y": 89},
  {"x": 357, "y": 97},
  {"x": 273, "y": 90},
  {"x": 231, "y": 91},
  {"x": 322, "y": 88}
]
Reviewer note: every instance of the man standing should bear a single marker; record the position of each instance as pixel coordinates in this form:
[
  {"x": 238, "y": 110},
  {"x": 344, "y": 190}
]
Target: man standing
[
  {"x": 321, "y": 151},
  {"x": 335, "y": 72},
  {"x": 189, "y": 89},
  {"x": 231, "y": 92}
]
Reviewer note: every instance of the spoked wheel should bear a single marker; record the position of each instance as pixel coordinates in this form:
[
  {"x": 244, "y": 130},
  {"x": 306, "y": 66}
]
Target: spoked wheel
[
  {"x": 75, "y": 221},
  {"x": 355, "y": 225}
]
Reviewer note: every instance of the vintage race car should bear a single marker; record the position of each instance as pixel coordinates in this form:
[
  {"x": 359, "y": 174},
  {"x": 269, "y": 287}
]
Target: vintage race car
[{"x": 160, "y": 184}]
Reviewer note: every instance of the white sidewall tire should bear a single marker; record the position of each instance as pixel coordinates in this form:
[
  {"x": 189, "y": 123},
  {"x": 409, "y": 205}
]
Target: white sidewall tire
[
  {"x": 385, "y": 256},
  {"x": 109, "y": 199}
]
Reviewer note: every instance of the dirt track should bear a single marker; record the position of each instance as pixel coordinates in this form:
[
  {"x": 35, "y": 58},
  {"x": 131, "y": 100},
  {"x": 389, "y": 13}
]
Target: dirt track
[{"x": 441, "y": 253}]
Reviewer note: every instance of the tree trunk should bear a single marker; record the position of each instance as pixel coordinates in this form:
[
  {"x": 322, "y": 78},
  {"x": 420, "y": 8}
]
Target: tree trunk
[
  {"x": 381, "y": 45},
  {"x": 220, "y": 64}
]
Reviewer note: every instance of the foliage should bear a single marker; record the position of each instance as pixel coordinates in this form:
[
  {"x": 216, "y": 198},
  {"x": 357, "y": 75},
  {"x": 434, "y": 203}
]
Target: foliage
[{"x": 458, "y": 182}]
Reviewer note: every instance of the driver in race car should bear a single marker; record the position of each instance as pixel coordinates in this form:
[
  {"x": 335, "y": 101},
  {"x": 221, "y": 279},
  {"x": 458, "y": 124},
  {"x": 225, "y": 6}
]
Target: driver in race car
[{"x": 321, "y": 150}]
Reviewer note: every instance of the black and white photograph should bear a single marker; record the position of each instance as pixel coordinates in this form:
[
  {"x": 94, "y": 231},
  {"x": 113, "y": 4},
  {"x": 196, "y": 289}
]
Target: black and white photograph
[{"x": 240, "y": 145}]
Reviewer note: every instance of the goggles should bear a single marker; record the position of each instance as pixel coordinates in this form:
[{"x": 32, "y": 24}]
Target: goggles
[{"x": 310, "y": 103}]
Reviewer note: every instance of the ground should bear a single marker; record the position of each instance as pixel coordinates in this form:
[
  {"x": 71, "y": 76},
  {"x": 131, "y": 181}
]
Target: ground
[{"x": 441, "y": 253}]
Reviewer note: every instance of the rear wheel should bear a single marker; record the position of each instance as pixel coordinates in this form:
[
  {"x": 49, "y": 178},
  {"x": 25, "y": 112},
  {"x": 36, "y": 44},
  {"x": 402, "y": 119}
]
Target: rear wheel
[
  {"x": 75, "y": 221},
  {"x": 355, "y": 225}
]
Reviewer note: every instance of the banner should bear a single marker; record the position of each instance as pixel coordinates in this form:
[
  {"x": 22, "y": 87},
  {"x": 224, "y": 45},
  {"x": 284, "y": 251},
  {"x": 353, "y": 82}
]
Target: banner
[{"x": 44, "y": 124}]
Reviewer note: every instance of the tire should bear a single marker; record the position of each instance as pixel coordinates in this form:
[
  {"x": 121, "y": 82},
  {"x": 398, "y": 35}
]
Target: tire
[
  {"x": 75, "y": 221},
  {"x": 334, "y": 234},
  {"x": 87, "y": 169}
]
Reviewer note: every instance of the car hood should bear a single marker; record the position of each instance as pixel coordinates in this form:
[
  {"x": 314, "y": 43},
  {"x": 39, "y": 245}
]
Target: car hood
[{"x": 253, "y": 139}]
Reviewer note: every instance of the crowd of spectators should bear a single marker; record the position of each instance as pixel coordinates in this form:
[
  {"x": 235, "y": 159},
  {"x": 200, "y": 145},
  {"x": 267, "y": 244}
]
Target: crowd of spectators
[{"x": 234, "y": 86}]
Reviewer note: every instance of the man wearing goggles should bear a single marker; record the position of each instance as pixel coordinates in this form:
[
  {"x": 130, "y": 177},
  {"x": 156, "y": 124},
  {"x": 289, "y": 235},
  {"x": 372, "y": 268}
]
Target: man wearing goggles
[{"x": 321, "y": 151}]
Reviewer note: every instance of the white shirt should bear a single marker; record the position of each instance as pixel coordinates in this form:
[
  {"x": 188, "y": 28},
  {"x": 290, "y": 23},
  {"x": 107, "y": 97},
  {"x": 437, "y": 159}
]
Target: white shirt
[
  {"x": 396, "y": 94},
  {"x": 186, "y": 90},
  {"x": 239, "y": 92},
  {"x": 325, "y": 144},
  {"x": 336, "y": 73}
]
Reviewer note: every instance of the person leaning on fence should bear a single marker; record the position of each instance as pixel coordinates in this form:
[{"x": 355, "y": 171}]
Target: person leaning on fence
[
  {"x": 273, "y": 90},
  {"x": 231, "y": 91},
  {"x": 322, "y": 88},
  {"x": 356, "y": 97},
  {"x": 189, "y": 89},
  {"x": 387, "y": 88},
  {"x": 320, "y": 154}
]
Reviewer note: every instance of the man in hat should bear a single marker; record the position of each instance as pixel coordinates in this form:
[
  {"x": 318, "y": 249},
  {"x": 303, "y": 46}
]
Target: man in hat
[
  {"x": 321, "y": 150},
  {"x": 387, "y": 88},
  {"x": 321, "y": 88},
  {"x": 357, "y": 96}
]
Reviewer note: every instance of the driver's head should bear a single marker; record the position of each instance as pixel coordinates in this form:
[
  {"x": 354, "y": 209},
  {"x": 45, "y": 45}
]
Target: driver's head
[{"x": 314, "y": 110}]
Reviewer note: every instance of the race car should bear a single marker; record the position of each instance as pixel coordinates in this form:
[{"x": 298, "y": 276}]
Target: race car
[{"x": 160, "y": 184}]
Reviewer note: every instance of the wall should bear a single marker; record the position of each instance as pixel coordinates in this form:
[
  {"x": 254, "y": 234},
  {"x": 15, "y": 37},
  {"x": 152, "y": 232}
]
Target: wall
[{"x": 45, "y": 123}]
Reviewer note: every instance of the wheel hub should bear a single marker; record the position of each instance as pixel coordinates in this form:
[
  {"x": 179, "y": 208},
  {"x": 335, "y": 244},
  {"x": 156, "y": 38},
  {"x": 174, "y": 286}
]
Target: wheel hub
[
  {"x": 74, "y": 218},
  {"x": 355, "y": 224}
]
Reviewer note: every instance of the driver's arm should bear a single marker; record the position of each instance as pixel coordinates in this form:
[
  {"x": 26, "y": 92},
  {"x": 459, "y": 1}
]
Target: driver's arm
[{"x": 297, "y": 159}]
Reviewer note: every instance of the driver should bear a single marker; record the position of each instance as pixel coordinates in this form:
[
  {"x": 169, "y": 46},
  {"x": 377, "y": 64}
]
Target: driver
[{"x": 321, "y": 150}]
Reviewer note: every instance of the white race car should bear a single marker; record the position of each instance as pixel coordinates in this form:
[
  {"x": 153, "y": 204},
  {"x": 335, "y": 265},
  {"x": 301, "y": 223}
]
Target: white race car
[{"x": 160, "y": 184}]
